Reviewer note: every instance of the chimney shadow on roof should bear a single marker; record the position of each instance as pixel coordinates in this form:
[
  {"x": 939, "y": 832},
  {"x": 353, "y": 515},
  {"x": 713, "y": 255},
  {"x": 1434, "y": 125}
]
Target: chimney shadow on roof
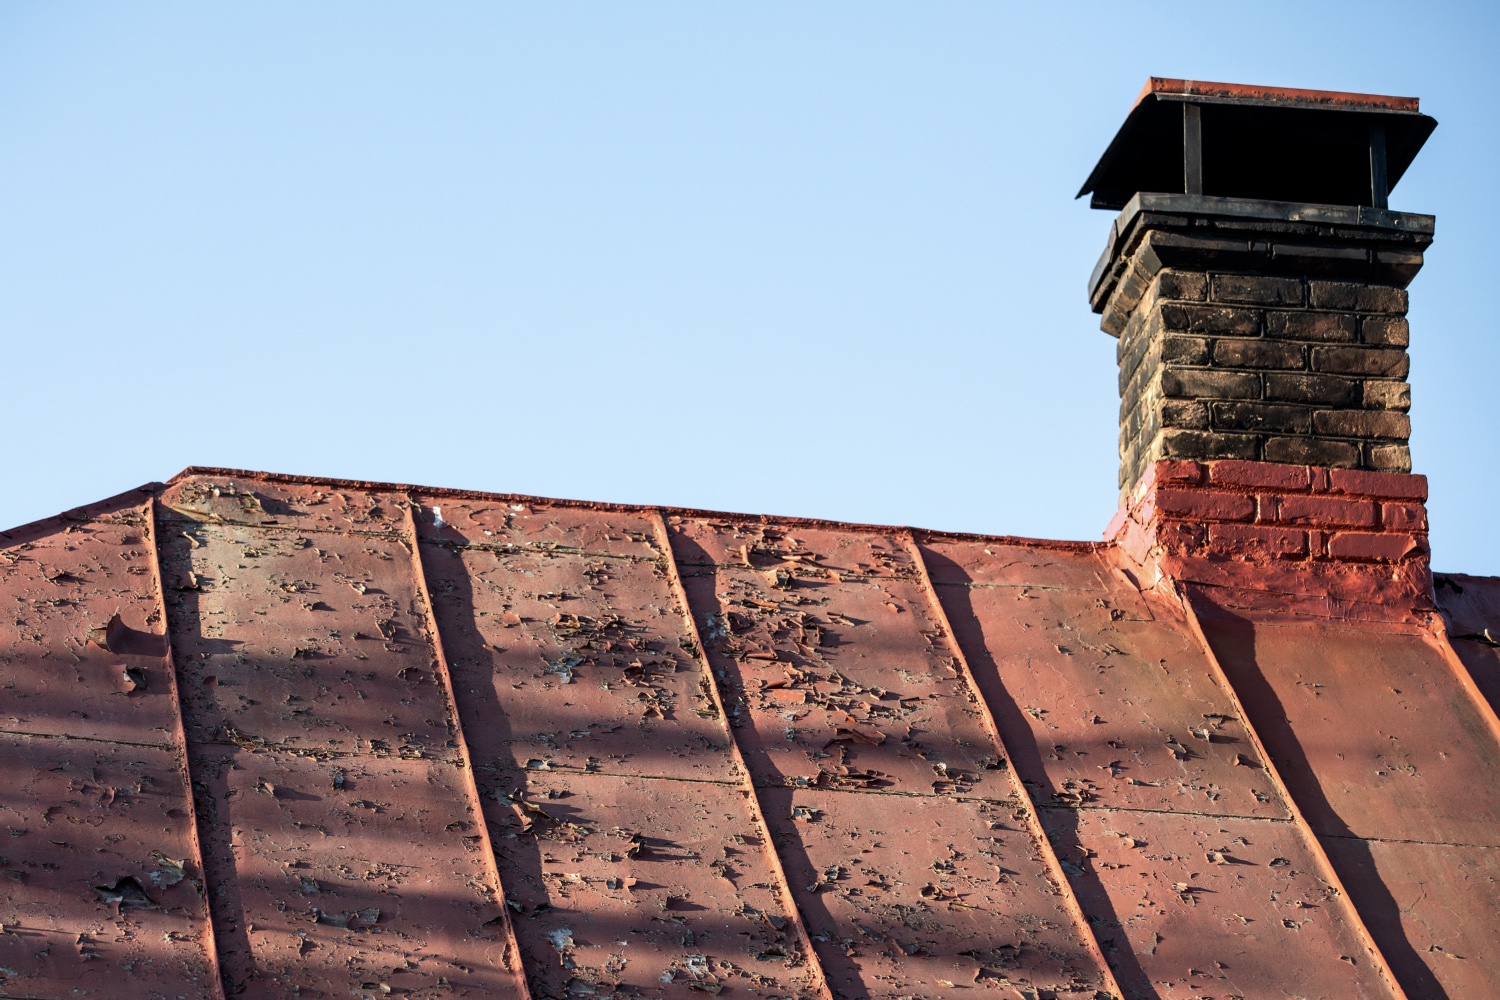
[
  {"x": 210, "y": 793},
  {"x": 1062, "y": 824},
  {"x": 1232, "y": 639}
]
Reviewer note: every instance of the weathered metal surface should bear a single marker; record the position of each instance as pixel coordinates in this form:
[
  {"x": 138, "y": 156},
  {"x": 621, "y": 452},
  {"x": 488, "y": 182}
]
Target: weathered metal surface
[
  {"x": 85, "y": 654},
  {"x": 867, "y": 748},
  {"x": 1434, "y": 908},
  {"x": 481, "y": 835},
  {"x": 347, "y": 873},
  {"x": 590, "y": 721},
  {"x": 281, "y": 501},
  {"x": 640, "y": 886},
  {"x": 1109, "y": 688},
  {"x": 103, "y": 879},
  {"x": 1471, "y": 605},
  {"x": 1212, "y": 906},
  {"x": 98, "y": 886},
  {"x": 300, "y": 639},
  {"x": 828, "y": 806},
  {"x": 1161, "y": 807},
  {"x": 342, "y": 845},
  {"x": 1374, "y": 735},
  {"x": 1383, "y": 745},
  {"x": 571, "y": 660}
]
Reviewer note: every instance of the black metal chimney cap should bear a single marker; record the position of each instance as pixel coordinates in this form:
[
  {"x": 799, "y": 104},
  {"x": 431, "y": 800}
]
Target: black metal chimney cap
[{"x": 1269, "y": 143}]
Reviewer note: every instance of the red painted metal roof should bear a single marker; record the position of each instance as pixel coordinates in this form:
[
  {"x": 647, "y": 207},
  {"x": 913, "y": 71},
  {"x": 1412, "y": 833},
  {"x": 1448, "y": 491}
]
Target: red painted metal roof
[{"x": 272, "y": 736}]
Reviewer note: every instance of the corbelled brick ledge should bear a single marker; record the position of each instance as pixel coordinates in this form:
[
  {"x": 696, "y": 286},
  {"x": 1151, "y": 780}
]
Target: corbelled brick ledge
[{"x": 1305, "y": 539}]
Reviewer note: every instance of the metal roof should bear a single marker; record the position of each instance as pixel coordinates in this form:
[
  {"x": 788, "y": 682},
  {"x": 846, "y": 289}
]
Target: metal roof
[{"x": 274, "y": 736}]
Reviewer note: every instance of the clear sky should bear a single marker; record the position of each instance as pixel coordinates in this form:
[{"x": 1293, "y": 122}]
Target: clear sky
[{"x": 795, "y": 258}]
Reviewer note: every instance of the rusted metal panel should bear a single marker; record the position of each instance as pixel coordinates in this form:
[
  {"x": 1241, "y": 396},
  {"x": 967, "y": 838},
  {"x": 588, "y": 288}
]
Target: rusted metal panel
[
  {"x": 349, "y": 873},
  {"x": 104, "y": 877},
  {"x": 914, "y": 895},
  {"x": 1435, "y": 907},
  {"x": 481, "y": 835},
  {"x": 99, "y": 887},
  {"x": 864, "y": 742},
  {"x": 262, "y": 500},
  {"x": 1472, "y": 607},
  {"x": 1370, "y": 727},
  {"x": 503, "y": 522},
  {"x": 300, "y": 640},
  {"x": 836, "y": 678},
  {"x": 342, "y": 843},
  {"x": 85, "y": 654},
  {"x": 639, "y": 886},
  {"x": 629, "y": 846},
  {"x": 572, "y": 660},
  {"x": 1112, "y": 713},
  {"x": 1212, "y": 906},
  {"x": 1108, "y": 686}
]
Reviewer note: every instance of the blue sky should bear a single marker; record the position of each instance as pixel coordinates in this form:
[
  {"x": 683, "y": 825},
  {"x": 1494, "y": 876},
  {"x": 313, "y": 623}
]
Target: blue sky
[{"x": 815, "y": 259}]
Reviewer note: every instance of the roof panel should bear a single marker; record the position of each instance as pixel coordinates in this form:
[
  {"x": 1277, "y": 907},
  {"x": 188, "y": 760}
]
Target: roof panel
[
  {"x": 301, "y": 640},
  {"x": 1439, "y": 906},
  {"x": 572, "y": 661},
  {"x": 100, "y": 883},
  {"x": 1104, "y": 695},
  {"x": 844, "y": 692},
  {"x": 86, "y": 655},
  {"x": 836, "y": 678},
  {"x": 1373, "y": 734},
  {"x": 355, "y": 871},
  {"x": 641, "y": 886},
  {"x": 928, "y": 893},
  {"x": 1220, "y": 906}
]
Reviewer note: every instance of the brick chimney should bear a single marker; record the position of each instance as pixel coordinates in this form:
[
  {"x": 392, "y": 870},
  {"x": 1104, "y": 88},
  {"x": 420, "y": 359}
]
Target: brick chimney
[{"x": 1255, "y": 277}]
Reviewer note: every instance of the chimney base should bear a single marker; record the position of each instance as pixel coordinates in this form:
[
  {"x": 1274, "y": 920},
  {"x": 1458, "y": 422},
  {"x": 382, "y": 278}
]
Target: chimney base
[{"x": 1307, "y": 540}]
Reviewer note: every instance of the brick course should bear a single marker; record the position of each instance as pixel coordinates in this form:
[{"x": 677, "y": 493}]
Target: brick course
[
  {"x": 1297, "y": 532},
  {"x": 1219, "y": 361}
]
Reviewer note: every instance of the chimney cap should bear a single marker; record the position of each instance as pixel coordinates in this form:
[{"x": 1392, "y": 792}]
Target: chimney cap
[{"x": 1273, "y": 143}]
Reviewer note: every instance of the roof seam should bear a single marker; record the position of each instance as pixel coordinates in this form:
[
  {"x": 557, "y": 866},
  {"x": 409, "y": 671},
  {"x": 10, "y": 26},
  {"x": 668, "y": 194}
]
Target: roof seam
[
  {"x": 210, "y": 939},
  {"x": 1082, "y": 926},
  {"x": 513, "y": 961},
  {"x": 772, "y": 854},
  {"x": 1273, "y": 773}
]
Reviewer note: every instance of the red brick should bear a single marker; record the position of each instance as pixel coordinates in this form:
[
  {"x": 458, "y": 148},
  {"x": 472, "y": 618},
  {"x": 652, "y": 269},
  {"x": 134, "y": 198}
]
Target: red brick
[
  {"x": 1329, "y": 512},
  {"x": 1403, "y": 517},
  {"x": 1179, "y": 471},
  {"x": 1392, "y": 485},
  {"x": 1206, "y": 505},
  {"x": 1257, "y": 541},
  {"x": 1264, "y": 475},
  {"x": 1369, "y": 546}
]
